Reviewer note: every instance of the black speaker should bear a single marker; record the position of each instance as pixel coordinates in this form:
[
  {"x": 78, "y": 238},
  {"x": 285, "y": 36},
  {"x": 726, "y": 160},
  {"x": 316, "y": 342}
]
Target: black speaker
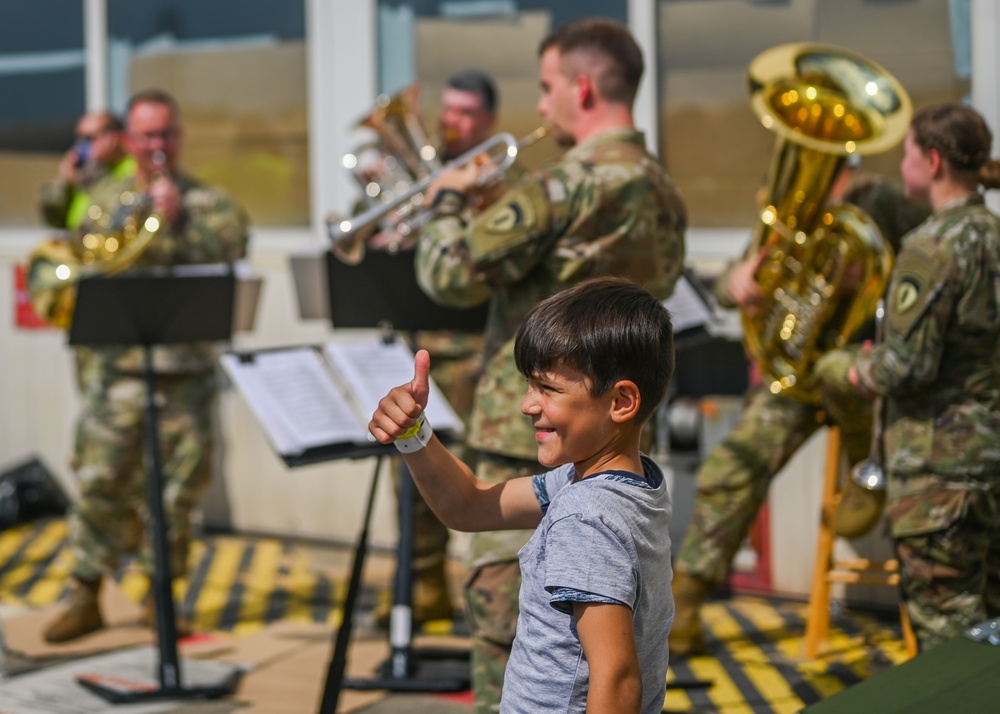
[{"x": 29, "y": 491}]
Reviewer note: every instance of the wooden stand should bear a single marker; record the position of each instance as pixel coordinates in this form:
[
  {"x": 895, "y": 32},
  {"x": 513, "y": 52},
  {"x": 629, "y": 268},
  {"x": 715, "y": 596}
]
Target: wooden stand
[{"x": 827, "y": 571}]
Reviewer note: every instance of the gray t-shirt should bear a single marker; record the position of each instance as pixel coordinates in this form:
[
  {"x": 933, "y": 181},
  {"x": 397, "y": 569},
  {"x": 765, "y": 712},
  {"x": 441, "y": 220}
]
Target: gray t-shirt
[{"x": 602, "y": 539}]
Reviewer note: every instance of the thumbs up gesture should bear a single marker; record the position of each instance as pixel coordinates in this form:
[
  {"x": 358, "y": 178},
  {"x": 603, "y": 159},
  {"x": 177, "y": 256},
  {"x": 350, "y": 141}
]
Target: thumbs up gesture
[{"x": 398, "y": 410}]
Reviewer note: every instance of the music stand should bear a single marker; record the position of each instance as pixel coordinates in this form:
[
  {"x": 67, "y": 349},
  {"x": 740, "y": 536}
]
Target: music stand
[
  {"x": 382, "y": 292},
  {"x": 150, "y": 308},
  {"x": 383, "y": 287}
]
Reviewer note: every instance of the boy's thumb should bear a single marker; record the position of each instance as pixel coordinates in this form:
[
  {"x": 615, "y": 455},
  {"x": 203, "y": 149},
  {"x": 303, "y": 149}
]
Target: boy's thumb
[{"x": 420, "y": 384}]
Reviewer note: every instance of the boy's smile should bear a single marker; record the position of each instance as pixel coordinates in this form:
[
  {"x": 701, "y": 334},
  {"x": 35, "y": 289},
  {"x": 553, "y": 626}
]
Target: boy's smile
[{"x": 571, "y": 425}]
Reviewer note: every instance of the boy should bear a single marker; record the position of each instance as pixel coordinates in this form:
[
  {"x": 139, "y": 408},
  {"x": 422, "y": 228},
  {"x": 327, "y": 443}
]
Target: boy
[{"x": 596, "y": 605}]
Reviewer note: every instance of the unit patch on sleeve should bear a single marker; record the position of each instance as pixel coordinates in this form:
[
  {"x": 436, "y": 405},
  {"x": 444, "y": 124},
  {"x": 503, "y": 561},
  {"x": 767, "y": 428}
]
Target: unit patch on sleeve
[{"x": 516, "y": 218}]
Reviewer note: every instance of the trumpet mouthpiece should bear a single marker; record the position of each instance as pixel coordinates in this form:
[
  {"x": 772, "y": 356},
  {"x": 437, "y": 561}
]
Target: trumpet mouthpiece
[{"x": 539, "y": 133}]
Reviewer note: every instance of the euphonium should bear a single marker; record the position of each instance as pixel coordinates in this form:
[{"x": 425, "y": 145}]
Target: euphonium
[
  {"x": 387, "y": 167},
  {"x": 57, "y": 264},
  {"x": 495, "y": 155},
  {"x": 822, "y": 270}
]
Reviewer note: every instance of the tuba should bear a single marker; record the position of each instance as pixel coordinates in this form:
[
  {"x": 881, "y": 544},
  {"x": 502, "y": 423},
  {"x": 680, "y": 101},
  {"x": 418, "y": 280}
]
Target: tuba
[
  {"x": 822, "y": 270},
  {"x": 57, "y": 264}
]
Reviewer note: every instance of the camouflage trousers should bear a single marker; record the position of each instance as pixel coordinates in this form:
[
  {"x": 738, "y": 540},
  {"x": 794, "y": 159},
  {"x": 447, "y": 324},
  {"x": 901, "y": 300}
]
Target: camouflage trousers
[
  {"x": 110, "y": 460},
  {"x": 948, "y": 543},
  {"x": 492, "y": 589},
  {"x": 733, "y": 481}
]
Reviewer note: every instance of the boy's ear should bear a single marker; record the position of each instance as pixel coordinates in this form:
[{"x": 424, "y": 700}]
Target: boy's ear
[{"x": 626, "y": 401}]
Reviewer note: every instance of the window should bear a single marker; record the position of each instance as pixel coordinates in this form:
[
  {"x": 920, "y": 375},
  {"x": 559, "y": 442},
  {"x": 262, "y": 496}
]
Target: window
[
  {"x": 425, "y": 41},
  {"x": 42, "y": 82},
  {"x": 711, "y": 141},
  {"x": 238, "y": 70}
]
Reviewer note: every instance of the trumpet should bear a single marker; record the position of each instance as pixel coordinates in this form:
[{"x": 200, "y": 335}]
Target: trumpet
[{"x": 349, "y": 235}]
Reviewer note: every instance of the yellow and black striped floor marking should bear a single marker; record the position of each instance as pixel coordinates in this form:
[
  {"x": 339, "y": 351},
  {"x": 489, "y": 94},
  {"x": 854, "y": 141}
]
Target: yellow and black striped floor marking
[
  {"x": 234, "y": 584},
  {"x": 239, "y": 584},
  {"x": 755, "y": 661}
]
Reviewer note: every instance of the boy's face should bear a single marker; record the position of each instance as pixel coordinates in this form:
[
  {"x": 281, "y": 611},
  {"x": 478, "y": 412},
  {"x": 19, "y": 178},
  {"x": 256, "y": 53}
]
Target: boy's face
[{"x": 571, "y": 426}]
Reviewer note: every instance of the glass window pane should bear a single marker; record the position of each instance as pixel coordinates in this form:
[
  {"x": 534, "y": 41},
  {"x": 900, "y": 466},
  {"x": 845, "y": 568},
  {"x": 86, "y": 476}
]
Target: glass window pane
[
  {"x": 714, "y": 146},
  {"x": 42, "y": 83},
  {"x": 238, "y": 71}
]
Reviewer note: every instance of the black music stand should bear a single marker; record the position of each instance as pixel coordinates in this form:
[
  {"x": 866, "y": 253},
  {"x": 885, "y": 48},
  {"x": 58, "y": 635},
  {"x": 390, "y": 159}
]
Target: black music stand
[
  {"x": 156, "y": 308},
  {"x": 382, "y": 292}
]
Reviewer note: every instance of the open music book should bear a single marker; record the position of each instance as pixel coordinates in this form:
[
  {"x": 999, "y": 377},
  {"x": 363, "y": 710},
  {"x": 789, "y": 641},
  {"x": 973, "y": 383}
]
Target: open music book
[{"x": 314, "y": 403}]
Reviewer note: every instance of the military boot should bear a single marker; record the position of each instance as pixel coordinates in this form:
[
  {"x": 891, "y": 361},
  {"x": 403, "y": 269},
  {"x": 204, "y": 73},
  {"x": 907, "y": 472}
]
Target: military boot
[
  {"x": 858, "y": 510},
  {"x": 686, "y": 636},
  {"x": 81, "y": 617}
]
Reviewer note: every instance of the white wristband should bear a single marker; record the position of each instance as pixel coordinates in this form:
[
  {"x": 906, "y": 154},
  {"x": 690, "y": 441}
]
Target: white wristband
[{"x": 416, "y": 437}]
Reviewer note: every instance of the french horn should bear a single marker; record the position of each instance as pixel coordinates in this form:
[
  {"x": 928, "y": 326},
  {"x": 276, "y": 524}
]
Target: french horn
[
  {"x": 822, "y": 270},
  {"x": 56, "y": 265}
]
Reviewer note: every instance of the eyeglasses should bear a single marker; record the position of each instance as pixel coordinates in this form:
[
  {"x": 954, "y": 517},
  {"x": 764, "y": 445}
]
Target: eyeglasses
[{"x": 148, "y": 137}]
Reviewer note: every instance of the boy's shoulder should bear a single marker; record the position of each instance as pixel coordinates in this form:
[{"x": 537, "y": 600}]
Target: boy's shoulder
[{"x": 591, "y": 493}]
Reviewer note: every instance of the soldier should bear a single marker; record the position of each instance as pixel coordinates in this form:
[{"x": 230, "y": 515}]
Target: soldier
[
  {"x": 98, "y": 152},
  {"x": 936, "y": 367},
  {"x": 733, "y": 480},
  {"x": 466, "y": 117},
  {"x": 199, "y": 224},
  {"x": 606, "y": 208}
]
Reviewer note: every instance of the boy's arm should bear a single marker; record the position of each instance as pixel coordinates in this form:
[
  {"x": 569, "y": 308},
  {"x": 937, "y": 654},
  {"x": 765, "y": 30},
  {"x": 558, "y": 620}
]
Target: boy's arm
[
  {"x": 450, "y": 488},
  {"x": 608, "y": 641}
]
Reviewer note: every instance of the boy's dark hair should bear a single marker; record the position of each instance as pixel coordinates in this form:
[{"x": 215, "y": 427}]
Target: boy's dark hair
[
  {"x": 618, "y": 75},
  {"x": 607, "y": 328},
  {"x": 476, "y": 82}
]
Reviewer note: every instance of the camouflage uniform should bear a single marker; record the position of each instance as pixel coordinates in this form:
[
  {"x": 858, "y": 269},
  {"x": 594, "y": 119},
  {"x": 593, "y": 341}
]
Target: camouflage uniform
[
  {"x": 734, "y": 478},
  {"x": 456, "y": 363},
  {"x": 937, "y": 367},
  {"x": 109, "y": 456},
  {"x": 606, "y": 208},
  {"x": 64, "y": 205}
]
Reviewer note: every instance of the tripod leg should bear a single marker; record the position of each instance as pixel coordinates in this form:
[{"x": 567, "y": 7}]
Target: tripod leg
[
  {"x": 166, "y": 625},
  {"x": 338, "y": 662},
  {"x": 401, "y": 622}
]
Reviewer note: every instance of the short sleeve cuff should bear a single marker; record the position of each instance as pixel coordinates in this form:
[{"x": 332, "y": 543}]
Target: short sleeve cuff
[{"x": 562, "y": 599}]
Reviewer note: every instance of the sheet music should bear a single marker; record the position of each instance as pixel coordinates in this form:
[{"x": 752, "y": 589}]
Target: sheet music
[
  {"x": 295, "y": 399},
  {"x": 687, "y": 308},
  {"x": 373, "y": 368}
]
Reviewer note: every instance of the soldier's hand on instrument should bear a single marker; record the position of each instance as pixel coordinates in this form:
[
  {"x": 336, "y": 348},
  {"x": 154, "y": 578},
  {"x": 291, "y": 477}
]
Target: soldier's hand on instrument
[
  {"x": 743, "y": 287},
  {"x": 855, "y": 379},
  {"x": 69, "y": 169},
  {"x": 398, "y": 410},
  {"x": 459, "y": 178},
  {"x": 166, "y": 198}
]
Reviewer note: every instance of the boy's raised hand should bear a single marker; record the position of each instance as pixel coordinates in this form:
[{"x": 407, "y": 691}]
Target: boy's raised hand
[{"x": 398, "y": 410}]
